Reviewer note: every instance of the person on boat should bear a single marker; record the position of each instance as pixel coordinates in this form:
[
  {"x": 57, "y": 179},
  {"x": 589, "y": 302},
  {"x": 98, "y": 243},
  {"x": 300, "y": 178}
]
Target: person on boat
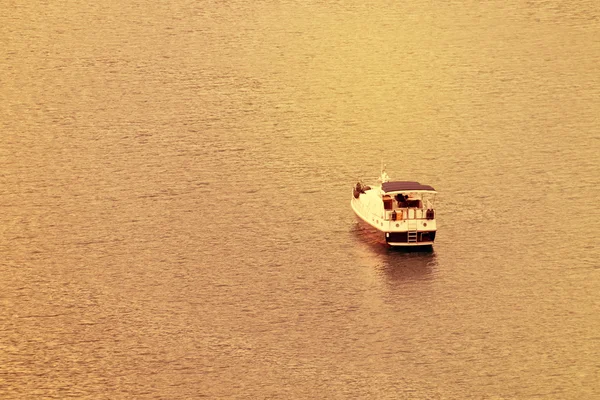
[{"x": 401, "y": 199}]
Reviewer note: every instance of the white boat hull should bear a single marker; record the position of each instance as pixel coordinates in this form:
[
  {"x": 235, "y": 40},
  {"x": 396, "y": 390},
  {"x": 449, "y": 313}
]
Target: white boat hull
[{"x": 408, "y": 228}]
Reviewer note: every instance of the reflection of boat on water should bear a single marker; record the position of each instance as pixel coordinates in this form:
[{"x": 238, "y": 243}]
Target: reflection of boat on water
[
  {"x": 396, "y": 263},
  {"x": 402, "y": 210}
]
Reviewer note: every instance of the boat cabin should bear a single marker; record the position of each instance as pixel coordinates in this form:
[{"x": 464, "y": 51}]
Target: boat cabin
[{"x": 408, "y": 200}]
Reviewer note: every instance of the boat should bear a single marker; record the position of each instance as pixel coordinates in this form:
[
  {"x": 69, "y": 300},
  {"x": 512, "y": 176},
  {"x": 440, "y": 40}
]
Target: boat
[{"x": 402, "y": 210}]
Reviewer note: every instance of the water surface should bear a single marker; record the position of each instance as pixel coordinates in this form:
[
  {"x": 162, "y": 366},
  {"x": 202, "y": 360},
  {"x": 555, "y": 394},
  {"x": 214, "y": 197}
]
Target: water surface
[{"x": 175, "y": 188}]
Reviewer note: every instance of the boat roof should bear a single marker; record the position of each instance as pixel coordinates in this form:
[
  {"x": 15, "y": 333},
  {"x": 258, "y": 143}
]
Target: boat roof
[{"x": 405, "y": 186}]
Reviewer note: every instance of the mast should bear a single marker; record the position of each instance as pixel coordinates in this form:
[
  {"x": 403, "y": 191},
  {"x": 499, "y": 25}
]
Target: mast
[{"x": 384, "y": 176}]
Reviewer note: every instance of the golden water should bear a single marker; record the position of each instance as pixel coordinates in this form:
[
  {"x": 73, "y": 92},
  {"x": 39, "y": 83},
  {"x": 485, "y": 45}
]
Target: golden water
[{"x": 175, "y": 184}]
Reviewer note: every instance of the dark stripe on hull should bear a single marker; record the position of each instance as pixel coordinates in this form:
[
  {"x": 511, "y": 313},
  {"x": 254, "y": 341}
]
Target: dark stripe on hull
[{"x": 402, "y": 237}]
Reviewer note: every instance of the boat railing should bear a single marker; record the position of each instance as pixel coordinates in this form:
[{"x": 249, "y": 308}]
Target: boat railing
[{"x": 399, "y": 214}]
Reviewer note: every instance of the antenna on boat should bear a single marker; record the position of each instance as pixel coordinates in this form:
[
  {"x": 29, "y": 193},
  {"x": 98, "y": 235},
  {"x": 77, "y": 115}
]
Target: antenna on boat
[{"x": 384, "y": 176}]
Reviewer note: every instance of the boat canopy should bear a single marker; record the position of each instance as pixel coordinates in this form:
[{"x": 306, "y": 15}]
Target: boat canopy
[{"x": 405, "y": 186}]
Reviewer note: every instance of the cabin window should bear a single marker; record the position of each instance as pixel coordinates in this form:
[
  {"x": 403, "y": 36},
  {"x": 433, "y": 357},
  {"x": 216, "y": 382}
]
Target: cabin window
[{"x": 388, "y": 202}]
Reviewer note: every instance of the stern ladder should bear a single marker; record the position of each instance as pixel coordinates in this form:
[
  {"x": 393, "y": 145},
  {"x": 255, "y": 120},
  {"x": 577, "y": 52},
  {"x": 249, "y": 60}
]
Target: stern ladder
[{"x": 412, "y": 231}]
